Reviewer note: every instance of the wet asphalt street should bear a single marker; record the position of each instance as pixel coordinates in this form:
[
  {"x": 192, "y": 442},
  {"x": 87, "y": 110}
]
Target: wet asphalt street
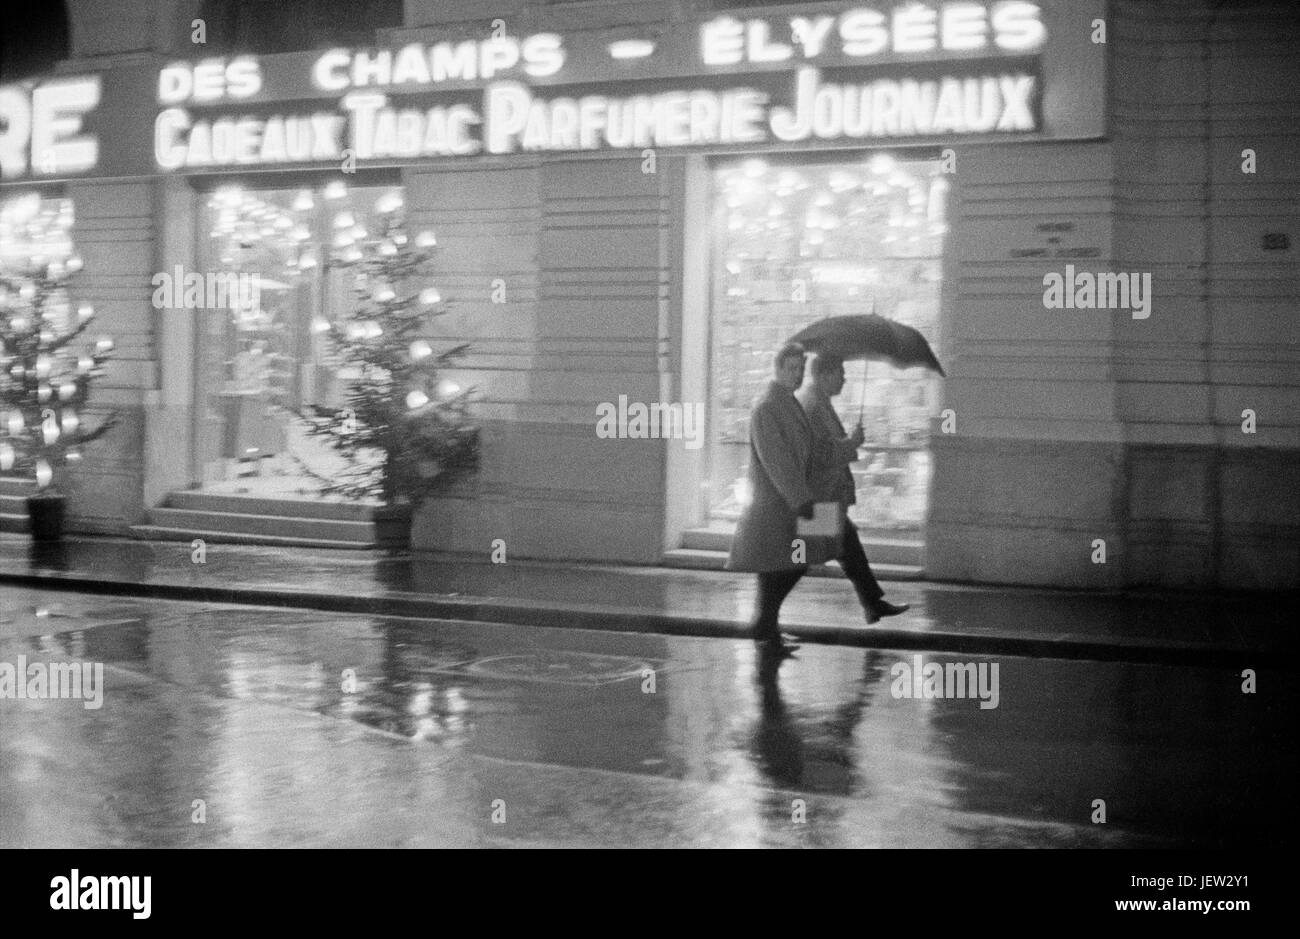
[{"x": 282, "y": 728}]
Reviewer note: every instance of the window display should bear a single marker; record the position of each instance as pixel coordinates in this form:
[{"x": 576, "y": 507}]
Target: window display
[
  {"x": 796, "y": 243},
  {"x": 266, "y": 357}
]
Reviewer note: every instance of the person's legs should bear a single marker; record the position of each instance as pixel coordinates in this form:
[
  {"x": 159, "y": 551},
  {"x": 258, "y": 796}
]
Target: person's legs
[
  {"x": 853, "y": 559},
  {"x": 773, "y": 588}
]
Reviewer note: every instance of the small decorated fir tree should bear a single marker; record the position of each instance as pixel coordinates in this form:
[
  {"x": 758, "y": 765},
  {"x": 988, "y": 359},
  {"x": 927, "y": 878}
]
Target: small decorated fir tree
[
  {"x": 406, "y": 433},
  {"x": 45, "y": 374}
]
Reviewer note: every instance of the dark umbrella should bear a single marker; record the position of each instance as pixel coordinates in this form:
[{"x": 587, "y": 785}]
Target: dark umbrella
[{"x": 869, "y": 337}]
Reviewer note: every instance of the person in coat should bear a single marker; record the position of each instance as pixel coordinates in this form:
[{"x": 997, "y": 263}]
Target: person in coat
[
  {"x": 765, "y": 542},
  {"x": 831, "y": 480}
]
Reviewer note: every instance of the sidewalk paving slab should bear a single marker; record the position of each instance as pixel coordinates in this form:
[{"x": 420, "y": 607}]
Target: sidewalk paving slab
[{"x": 1140, "y": 626}]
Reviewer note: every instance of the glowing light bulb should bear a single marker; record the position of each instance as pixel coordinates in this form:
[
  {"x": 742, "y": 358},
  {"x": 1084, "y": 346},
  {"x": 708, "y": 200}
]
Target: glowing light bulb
[
  {"x": 66, "y": 391},
  {"x": 387, "y": 249},
  {"x": 43, "y": 474},
  {"x": 448, "y": 388},
  {"x": 425, "y": 239},
  {"x": 384, "y": 294},
  {"x": 389, "y": 202},
  {"x": 228, "y": 196},
  {"x": 6, "y": 457},
  {"x": 344, "y": 220},
  {"x": 104, "y": 345},
  {"x": 320, "y": 325},
  {"x": 85, "y": 312},
  {"x": 429, "y": 296},
  {"x": 303, "y": 202},
  {"x": 881, "y": 164},
  {"x": 753, "y": 168},
  {"x": 70, "y": 422},
  {"x": 420, "y": 349},
  {"x": 307, "y": 261},
  {"x": 416, "y": 399},
  {"x": 335, "y": 190}
]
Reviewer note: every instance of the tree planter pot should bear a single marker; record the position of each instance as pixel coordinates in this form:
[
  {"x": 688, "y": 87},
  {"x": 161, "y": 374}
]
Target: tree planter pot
[
  {"x": 393, "y": 526},
  {"x": 45, "y": 516}
]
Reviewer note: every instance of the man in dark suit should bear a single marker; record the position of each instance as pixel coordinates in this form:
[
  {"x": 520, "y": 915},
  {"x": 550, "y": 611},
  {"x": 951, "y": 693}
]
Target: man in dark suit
[
  {"x": 780, "y": 446},
  {"x": 832, "y": 481}
]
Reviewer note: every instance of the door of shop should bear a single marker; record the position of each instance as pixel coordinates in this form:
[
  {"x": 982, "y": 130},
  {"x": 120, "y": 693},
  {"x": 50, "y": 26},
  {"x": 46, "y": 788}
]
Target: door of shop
[
  {"x": 265, "y": 359},
  {"x": 796, "y": 241}
]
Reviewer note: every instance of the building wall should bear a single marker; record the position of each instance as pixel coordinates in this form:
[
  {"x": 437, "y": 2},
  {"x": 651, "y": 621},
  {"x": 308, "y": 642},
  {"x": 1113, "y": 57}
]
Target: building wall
[
  {"x": 113, "y": 231},
  {"x": 1071, "y": 426},
  {"x": 575, "y": 249},
  {"x": 1079, "y": 425},
  {"x": 1030, "y": 475},
  {"x": 1206, "y": 503}
]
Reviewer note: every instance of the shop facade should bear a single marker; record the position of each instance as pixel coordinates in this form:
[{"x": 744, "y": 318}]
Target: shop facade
[{"x": 636, "y": 203}]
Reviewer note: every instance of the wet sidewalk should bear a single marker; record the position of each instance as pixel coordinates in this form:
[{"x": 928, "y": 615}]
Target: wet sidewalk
[{"x": 1167, "y": 628}]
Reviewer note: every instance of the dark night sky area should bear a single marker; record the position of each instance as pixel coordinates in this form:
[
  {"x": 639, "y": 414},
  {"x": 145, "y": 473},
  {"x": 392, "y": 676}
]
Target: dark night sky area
[{"x": 33, "y": 36}]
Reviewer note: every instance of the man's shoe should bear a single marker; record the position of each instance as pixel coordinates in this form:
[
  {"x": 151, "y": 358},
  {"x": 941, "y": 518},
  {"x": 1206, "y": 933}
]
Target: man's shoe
[{"x": 885, "y": 608}]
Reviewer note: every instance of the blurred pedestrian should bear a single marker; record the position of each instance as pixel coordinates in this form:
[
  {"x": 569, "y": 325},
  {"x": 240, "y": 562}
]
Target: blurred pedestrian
[
  {"x": 780, "y": 445},
  {"x": 830, "y": 479}
]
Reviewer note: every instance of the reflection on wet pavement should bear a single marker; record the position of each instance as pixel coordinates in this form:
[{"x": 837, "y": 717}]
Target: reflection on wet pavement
[{"x": 294, "y": 728}]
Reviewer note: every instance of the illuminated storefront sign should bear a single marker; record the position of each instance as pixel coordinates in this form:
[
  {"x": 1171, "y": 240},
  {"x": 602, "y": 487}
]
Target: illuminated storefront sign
[
  {"x": 40, "y": 128},
  {"x": 820, "y": 76}
]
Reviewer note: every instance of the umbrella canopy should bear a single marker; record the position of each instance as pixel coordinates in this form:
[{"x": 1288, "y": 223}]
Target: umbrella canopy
[{"x": 868, "y": 336}]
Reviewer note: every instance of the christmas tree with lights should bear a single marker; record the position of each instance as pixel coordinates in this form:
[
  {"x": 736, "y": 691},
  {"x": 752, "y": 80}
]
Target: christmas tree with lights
[
  {"x": 405, "y": 433},
  {"x": 45, "y": 373}
]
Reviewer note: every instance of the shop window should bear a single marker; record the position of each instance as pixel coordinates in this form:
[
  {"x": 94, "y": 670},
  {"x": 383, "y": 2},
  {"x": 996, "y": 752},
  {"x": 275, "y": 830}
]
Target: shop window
[
  {"x": 34, "y": 225},
  {"x": 266, "y": 362},
  {"x": 793, "y": 244}
]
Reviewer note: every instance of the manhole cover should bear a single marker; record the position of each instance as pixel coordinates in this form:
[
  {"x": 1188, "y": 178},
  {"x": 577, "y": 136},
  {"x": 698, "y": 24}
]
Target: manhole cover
[{"x": 576, "y": 668}]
